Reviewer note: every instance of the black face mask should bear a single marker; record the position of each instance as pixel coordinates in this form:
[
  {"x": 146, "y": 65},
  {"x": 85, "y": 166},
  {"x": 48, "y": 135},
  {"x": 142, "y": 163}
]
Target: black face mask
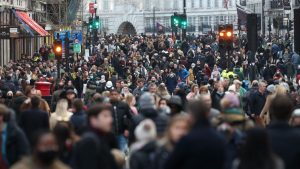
[{"x": 47, "y": 157}]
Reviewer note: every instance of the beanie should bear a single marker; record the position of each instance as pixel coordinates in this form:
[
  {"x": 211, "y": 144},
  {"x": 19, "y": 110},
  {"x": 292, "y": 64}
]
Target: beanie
[
  {"x": 147, "y": 101},
  {"x": 145, "y": 131}
]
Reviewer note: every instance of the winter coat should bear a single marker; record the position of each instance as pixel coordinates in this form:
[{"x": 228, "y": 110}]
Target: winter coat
[
  {"x": 17, "y": 144},
  {"x": 285, "y": 143},
  {"x": 92, "y": 152},
  {"x": 183, "y": 74},
  {"x": 27, "y": 163},
  {"x": 202, "y": 148},
  {"x": 122, "y": 117},
  {"x": 33, "y": 120},
  {"x": 144, "y": 158}
]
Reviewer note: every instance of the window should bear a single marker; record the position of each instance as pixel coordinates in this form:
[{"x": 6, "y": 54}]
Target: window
[
  {"x": 175, "y": 5},
  {"x": 147, "y": 5},
  {"x": 208, "y": 4},
  {"x": 105, "y": 5},
  {"x": 217, "y": 3},
  {"x": 193, "y": 3},
  {"x": 200, "y": 3}
]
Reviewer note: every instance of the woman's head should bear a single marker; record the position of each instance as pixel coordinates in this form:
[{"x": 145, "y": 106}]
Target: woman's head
[
  {"x": 130, "y": 99},
  {"x": 177, "y": 128},
  {"x": 203, "y": 90},
  {"x": 62, "y": 106},
  {"x": 195, "y": 88}
]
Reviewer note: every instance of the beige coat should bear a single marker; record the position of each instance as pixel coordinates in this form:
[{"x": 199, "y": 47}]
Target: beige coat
[{"x": 27, "y": 163}]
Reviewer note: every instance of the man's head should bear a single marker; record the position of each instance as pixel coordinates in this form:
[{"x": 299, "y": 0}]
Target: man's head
[
  {"x": 206, "y": 99},
  {"x": 262, "y": 86},
  {"x": 281, "y": 108},
  {"x": 100, "y": 118},
  {"x": 45, "y": 147},
  {"x": 152, "y": 88},
  {"x": 35, "y": 102},
  {"x": 114, "y": 96},
  {"x": 199, "y": 110},
  {"x": 78, "y": 105}
]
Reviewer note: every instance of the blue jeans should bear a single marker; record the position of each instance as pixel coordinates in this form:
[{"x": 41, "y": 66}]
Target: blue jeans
[{"x": 123, "y": 143}]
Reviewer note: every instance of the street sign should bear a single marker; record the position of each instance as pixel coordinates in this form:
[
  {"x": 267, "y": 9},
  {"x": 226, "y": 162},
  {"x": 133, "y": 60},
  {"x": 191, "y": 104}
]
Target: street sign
[
  {"x": 4, "y": 33},
  {"x": 92, "y": 8},
  {"x": 77, "y": 35},
  {"x": 77, "y": 48}
]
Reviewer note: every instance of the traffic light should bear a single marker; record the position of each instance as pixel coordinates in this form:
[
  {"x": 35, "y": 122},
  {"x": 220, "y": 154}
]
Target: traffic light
[
  {"x": 90, "y": 25},
  {"x": 96, "y": 23},
  {"x": 175, "y": 20},
  {"x": 183, "y": 21},
  {"x": 225, "y": 37},
  {"x": 57, "y": 47}
]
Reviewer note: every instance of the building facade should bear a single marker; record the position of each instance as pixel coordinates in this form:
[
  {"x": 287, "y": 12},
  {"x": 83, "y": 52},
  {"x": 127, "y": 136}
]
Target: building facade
[
  {"x": 17, "y": 37},
  {"x": 277, "y": 14},
  {"x": 142, "y": 16}
]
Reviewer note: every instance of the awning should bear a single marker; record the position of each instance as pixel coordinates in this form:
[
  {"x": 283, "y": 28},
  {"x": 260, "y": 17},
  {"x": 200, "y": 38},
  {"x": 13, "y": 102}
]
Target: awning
[
  {"x": 24, "y": 25},
  {"x": 29, "y": 21}
]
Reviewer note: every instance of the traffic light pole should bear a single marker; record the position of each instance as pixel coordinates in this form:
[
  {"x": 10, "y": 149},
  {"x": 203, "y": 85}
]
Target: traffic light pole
[
  {"x": 184, "y": 29},
  {"x": 67, "y": 52}
]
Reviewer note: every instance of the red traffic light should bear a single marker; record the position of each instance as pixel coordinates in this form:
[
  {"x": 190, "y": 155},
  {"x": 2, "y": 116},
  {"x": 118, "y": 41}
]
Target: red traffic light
[
  {"x": 57, "y": 48},
  {"x": 229, "y": 34}
]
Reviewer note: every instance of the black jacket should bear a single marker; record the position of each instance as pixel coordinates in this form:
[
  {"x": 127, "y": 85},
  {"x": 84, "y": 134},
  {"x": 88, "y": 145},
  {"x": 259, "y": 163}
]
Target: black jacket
[
  {"x": 92, "y": 152},
  {"x": 285, "y": 143},
  {"x": 78, "y": 120},
  {"x": 17, "y": 145},
  {"x": 144, "y": 158},
  {"x": 202, "y": 148},
  {"x": 122, "y": 117},
  {"x": 257, "y": 102},
  {"x": 160, "y": 120},
  {"x": 33, "y": 120}
]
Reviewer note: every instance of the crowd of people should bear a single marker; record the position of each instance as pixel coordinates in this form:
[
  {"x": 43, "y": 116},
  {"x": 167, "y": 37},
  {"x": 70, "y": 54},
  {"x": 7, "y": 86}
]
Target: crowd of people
[{"x": 153, "y": 102}]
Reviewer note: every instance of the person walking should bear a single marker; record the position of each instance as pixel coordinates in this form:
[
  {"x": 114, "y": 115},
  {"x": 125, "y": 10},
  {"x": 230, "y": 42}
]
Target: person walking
[
  {"x": 93, "y": 151},
  {"x": 284, "y": 138},
  {"x": 189, "y": 154},
  {"x": 34, "y": 119},
  {"x": 44, "y": 153}
]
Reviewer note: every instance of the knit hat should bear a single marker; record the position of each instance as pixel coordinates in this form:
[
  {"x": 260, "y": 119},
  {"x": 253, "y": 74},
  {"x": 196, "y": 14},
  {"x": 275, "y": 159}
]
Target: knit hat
[
  {"x": 271, "y": 88},
  {"x": 176, "y": 100},
  {"x": 145, "y": 131},
  {"x": 231, "y": 108},
  {"x": 147, "y": 101}
]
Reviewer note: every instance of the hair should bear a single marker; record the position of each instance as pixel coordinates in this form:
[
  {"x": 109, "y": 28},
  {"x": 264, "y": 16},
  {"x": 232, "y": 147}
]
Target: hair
[
  {"x": 35, "y": 139},
  {"x": 95, "y": 110},
  {"x": 203, "y": 88},
  {"x": 61, "y": 107},
  {"x": 174, "y": 120},
  {"x": 193, "y": 87},
  {"x": 35, "y": 102},
  {"x": 62, "y": 132},
  {"x": 5, "y": 112},
  {"x": 281, "y": 108},
  {"x": 199, "y": 110},
  {"x": 129, "y": 98},
  {"x": 256, "y": 152},
  {"x": 280, "y": 90},
  {"x": 78, "y": 104}
]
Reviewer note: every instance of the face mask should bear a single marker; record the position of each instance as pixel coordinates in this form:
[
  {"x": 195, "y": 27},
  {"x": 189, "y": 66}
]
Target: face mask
[
  {"x": 9, "y": 97},
  {"x": 47, "y": 157}
]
